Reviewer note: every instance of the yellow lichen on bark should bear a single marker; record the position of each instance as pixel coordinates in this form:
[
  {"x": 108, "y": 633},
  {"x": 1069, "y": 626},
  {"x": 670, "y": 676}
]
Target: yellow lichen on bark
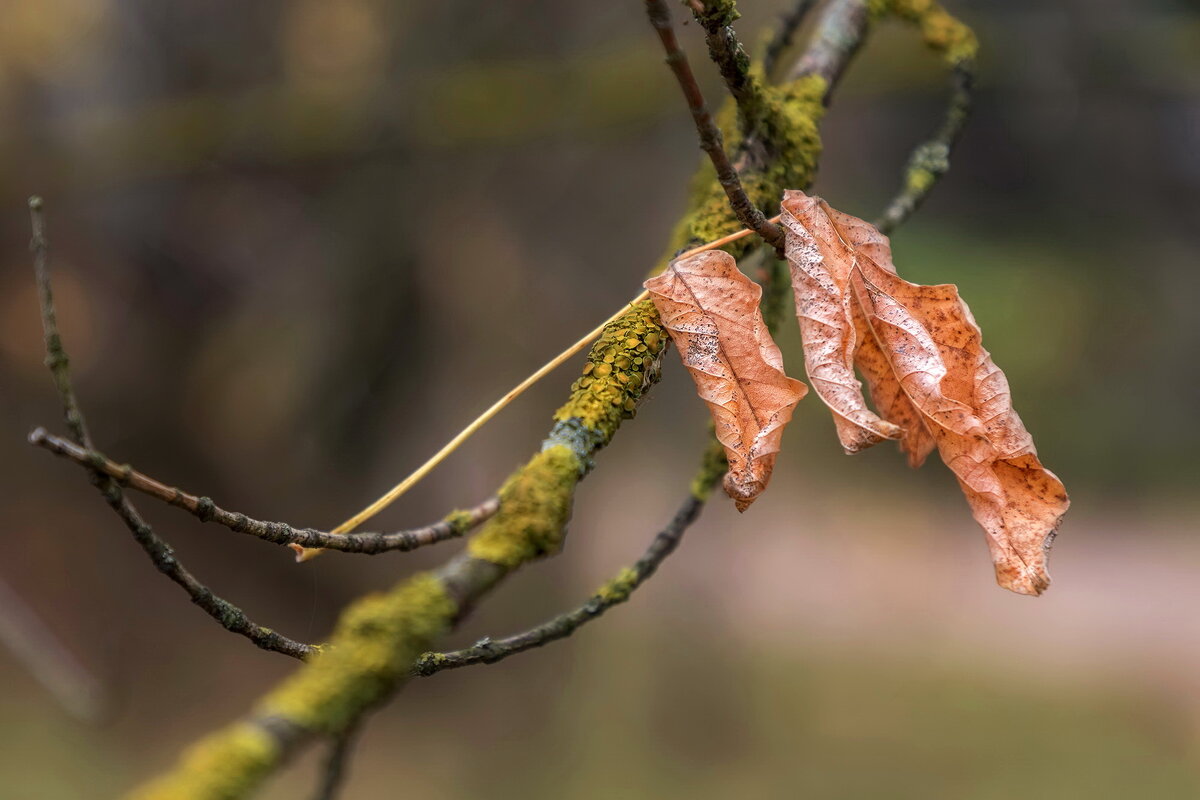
[
  {"x": 941, "y": 31},
  {"x": 379, "y": 637},
  {"x": 535, "y": 505},
  {"x": 621, "y": 365},
  {"x": 619, "y": 588},
  {"x": 224, "y": 766},
  {"x": 376, "y": 640},
  {"x": 786, "y": 118}
]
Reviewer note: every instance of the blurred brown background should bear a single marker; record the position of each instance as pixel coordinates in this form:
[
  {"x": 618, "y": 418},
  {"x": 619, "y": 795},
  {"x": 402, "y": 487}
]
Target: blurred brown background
[{"x": 299, "y": 244}]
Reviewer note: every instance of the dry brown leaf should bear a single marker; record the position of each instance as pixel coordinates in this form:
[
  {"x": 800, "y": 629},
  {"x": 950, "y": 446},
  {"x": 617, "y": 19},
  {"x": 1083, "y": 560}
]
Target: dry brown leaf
[
  {"x": 711, "y": 311},
  {"x": 823, "y": 306},
  {"x": 872, "y": 363},
  {"x": 921, "y": 352}
]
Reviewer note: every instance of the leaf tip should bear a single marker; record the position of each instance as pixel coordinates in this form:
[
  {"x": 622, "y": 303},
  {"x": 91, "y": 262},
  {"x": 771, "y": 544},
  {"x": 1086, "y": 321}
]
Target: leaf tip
[
  {"x": 1026, "y": 580},
  {"x": 742, "y": 491},
  {"x": 1029, "y": 575}
]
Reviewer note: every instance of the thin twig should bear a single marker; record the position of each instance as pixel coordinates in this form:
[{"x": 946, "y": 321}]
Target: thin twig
[
  {"x": 616, "y": 591},
  {"x": 710, "y": 135},
  {"x": 56, "y": 356},
  {"x": 453, "y": 526},
  {"x": 161, "y": 554},
  {"x": 931, "y": 159},
  {"x": 333, "y": 774},
  {"x": 728, "y": 54},
  {"x": 789, "y": 22}
]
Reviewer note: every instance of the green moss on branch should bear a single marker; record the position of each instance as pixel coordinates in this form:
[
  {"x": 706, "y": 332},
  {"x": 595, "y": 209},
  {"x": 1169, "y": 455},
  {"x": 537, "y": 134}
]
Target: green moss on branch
[
  {"x": 717, "y": 13},
  {"x": 941, "y": 31},
  {"x": 380, "y": 637}
]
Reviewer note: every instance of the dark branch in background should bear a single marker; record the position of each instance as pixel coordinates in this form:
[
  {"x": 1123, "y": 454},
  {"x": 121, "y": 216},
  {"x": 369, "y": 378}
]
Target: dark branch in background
[
  {"x": 616, "y": 591},
  {"x": 789, "y": 23},
  {"x": 931, "y": 160},
  {"x": 161, "y": 554},
  {"x": 48, "y": 660},
  {"x": 333, "y": 773},
  {"x": 453, "y": 526},
  {"x": 710, "y": 135}
]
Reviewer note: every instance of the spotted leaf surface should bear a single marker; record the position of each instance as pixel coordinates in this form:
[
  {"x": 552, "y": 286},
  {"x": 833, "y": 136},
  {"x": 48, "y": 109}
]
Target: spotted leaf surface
[
  {"x": 711, "y": 311},
  {"x": 932, "y": 382}
]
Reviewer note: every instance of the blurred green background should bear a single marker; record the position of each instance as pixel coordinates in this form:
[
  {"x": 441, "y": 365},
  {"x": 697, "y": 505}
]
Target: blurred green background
[{"x": 299, "y": 244}]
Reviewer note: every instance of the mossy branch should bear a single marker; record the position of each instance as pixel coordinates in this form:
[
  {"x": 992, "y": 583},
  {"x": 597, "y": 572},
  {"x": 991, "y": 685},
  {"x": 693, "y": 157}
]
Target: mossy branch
[
  {"x": 711, "y": 140},
  {"x": 613, "y": 592},
  {"x": 379, "y": 638},
  {"x": 930, "y": 160}
]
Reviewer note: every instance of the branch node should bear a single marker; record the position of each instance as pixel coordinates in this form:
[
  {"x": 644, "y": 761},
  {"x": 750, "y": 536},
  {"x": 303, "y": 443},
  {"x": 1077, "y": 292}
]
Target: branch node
[{"x": 204, "y": 509}]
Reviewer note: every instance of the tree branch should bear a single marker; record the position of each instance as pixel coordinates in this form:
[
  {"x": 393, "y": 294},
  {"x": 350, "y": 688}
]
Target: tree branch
[
  {"x": 779, "y": 150},
  {"x": 333, "y": 774},
  {"x": 56, "y": 356},
  {"x": 727, "y": 53},
  {"x": 453, "y": 526},
  {"x": 160, "y": 553},
  {"x": 614, "y": 592},
  {"x": 379, "y": 637},
  {"x": 838, "y": 36},
  {"x": 710, "y": 135},
  {"x": 930, "y": 160},
  {"x": 789, "y": 22}
]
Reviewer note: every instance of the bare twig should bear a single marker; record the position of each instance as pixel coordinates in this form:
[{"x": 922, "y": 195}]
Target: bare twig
[
  {"x": 616, "y": 591},
  {"x": 161, "y": 554},
  {"x": 454, "y": 525},
  {"x": 931, "y": 159},
  {"x": 56, "y": 355},
  {"x": 781, "y": 41},
  {"x": 710, "y": 135},
  {"x": 333, "y": 774}
]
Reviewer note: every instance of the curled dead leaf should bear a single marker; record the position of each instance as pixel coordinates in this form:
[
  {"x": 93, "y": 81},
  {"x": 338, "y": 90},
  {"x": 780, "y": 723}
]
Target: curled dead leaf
[
  {"x": 711, "y": 311},
  {"x": 921, "y": 353}
]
